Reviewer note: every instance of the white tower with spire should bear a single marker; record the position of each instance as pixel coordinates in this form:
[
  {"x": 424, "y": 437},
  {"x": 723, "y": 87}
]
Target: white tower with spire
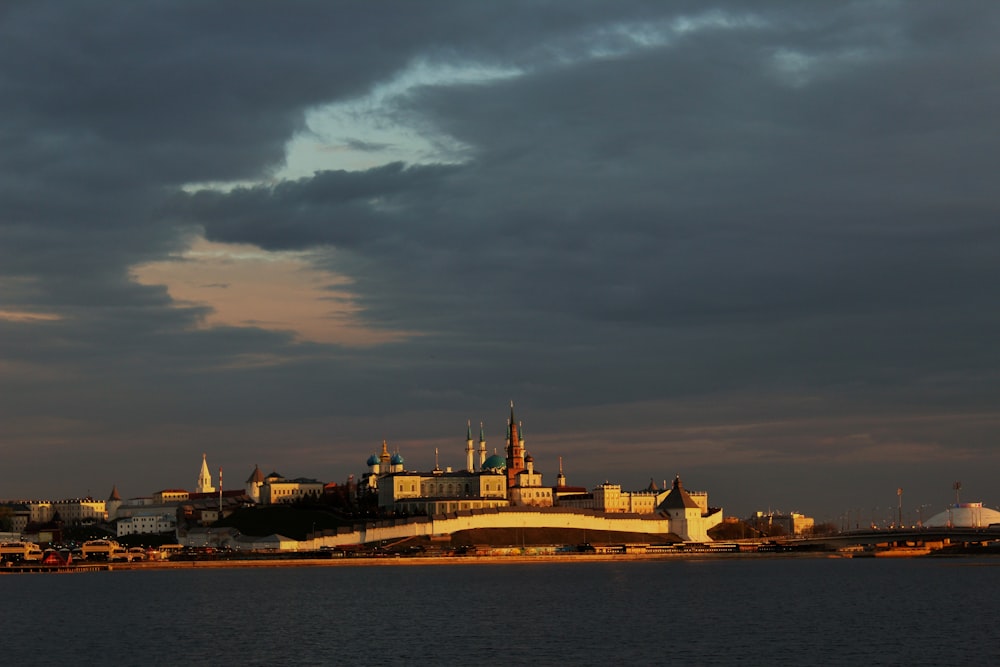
[{"x": 204, "y": 478}]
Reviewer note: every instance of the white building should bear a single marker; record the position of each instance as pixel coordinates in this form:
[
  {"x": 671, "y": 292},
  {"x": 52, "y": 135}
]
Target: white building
[{"x": 148, "y": 521}]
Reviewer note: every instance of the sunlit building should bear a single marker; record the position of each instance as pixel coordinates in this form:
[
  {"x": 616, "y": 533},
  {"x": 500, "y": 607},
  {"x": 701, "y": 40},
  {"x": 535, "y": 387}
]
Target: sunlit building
[
  {"x": 276, "y": 489},
  {"x": 792, "y": 523},
  {"x": 608, "y": 497},
  {"x": 71, "y": 511}
]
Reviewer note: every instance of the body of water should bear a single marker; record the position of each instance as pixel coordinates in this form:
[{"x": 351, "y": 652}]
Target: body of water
[{"x": 766, "y": 611}]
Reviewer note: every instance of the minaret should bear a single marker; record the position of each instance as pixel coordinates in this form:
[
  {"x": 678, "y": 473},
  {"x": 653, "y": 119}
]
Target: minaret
[
  {"x": 482, "y": 446},
  {"x": 561, "y": 478},
  {"x": 469, "y": 452},
  {"x": 515, "y": 450},
  {"x": 204, "y": 478}
]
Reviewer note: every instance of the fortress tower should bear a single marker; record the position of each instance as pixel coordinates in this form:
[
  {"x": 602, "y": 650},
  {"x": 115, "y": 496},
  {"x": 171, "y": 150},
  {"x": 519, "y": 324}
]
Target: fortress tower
[
  {"x": 254, "y": 482},
  {"x": 113, "y": 502}
]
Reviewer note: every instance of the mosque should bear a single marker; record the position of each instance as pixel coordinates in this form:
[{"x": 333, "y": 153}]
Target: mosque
[
  {"x": 498, "y": 491},
  {"x": 497, "y": 482},
  {"x": 486, "y": 482}
]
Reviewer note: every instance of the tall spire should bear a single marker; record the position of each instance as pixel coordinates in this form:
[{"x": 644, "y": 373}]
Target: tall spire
[
  {"x": 482, "y": 446},
  {"x": 384, "y": 457},
  {"x": 469, "y": 451},
  {"x": 515, "y": 449},
  {"x": 204, "y": 477}
]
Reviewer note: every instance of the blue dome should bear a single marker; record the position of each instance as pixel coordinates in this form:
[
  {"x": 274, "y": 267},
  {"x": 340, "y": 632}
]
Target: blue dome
[
  {"x": 373, "y": 460},
  {"x": 396, "y": 460},
  {"x": 495, "y": 462}
]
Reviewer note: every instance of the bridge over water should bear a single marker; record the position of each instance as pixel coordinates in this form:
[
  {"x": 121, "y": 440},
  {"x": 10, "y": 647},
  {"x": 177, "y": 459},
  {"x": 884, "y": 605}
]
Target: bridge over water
[{"x": 899, "y": 537}]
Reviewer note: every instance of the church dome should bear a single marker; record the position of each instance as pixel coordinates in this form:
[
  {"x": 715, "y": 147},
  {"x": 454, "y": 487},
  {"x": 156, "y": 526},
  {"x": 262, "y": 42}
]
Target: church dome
[
  {"x": 373, "y": 460},
  {"x": 495, "y": 462},
  {"x": 396, "y": 460}
]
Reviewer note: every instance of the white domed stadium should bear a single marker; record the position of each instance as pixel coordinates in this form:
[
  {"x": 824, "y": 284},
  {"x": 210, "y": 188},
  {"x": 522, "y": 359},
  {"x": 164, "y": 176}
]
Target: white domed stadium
[{"x": 964, "y": 515}]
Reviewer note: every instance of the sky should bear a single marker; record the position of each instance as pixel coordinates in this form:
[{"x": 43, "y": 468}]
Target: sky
[{"x": 756, "y": 245}]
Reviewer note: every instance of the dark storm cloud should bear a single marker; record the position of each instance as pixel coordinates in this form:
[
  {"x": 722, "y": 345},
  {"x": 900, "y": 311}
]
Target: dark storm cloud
[
  {"x": 333, "y": 208},
  {"x": 772, "y": 200},
  {"x": 688, "y": 187}
]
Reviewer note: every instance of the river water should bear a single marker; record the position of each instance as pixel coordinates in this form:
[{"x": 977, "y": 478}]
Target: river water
[{"x": 746, "y": 611}]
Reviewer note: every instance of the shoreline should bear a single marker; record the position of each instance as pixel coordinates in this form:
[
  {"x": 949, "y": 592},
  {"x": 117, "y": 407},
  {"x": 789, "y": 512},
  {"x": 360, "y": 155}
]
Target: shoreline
[
  {"x": 404, "y": 561},
  {"x": 208, "y": 564}
]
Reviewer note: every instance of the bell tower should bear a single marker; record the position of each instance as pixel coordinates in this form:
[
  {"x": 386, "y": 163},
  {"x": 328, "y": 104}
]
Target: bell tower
[{"x": 515, "y": 449}]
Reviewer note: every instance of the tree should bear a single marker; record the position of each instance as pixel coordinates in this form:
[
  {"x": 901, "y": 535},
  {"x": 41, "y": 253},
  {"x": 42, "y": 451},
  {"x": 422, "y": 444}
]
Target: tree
[{"x": 6, "y": 518}]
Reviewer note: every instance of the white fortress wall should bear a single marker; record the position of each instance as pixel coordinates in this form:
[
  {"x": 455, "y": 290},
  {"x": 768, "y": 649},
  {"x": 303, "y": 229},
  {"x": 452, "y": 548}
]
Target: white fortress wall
[{"x": 515, "y": 518}]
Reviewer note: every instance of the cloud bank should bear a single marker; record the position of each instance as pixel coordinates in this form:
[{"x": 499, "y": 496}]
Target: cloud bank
[{"x": 753, "y": 245}]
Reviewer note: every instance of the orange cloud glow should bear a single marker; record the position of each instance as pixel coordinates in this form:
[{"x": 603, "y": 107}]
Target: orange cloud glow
[
  {"x": 25, "y": 316},
  {"x": 250, "y": 287}
]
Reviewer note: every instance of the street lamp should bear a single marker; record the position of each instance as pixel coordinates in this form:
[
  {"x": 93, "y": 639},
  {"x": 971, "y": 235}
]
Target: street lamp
[{"x": 920, "y": 517}]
